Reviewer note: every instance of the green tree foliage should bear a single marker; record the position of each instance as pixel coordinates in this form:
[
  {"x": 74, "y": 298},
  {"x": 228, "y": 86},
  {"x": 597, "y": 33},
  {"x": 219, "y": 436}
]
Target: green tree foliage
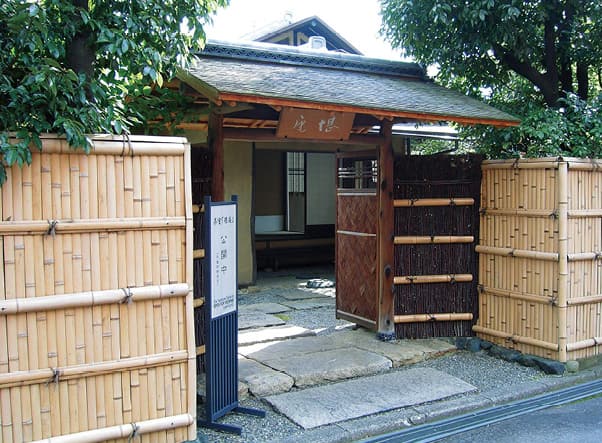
[
  {"x": 87, "y": 66},
  {"x": 538, "y": 59}
]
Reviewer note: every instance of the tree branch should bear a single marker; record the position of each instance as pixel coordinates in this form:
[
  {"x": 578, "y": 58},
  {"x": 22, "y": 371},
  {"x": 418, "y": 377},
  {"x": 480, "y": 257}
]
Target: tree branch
[{"x": 545, "y": 82}]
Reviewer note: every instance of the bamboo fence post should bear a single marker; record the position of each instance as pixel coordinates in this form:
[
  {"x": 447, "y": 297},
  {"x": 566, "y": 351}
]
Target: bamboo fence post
[
  {"x": 563, "y": 258},
  {"x": 5, "y": 403},
  {"x": 189, "y": 263}
]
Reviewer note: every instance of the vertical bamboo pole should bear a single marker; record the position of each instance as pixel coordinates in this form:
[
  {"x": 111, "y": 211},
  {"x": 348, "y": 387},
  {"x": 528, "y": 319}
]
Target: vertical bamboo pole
[
  {"x": 5, "y": 400},
  {"x": 563, "y": 258},
  {"x": 92, "y": 210},
  {"x": 31, "y": 410},
  {"x": 149, "y": 330},
  {"x": 142, "y": 391},
  {"x": 158, "y": 305},
  {"x": 125, "y": 327},
  {"x": 49, "y": 394},
  {"x": 189, "y": 263},
  {"x": 86, "y": 283},
  {"x": 79, "y": 332},
  {"x": 59, "y": 288},
  {"x": 17, "y": 328},
  {"x": 67, "y": 259}
]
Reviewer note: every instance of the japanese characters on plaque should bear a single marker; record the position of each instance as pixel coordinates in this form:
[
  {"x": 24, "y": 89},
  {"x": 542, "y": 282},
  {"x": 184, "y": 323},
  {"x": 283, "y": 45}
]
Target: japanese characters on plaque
[
  {"x": 314, "y": 124},
  {"x": 223, "y": 260}
]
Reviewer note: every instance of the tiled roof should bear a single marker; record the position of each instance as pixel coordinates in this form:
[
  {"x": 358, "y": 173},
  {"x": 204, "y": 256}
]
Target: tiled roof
[{"x": 274, "y": 74}]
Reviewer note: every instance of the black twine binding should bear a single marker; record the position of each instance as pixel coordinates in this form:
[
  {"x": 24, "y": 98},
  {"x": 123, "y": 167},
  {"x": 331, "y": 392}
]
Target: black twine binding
[
  {"x": 127, "y": 298},
  {"x": 52, "y": 227},
  {"x": 134, "y": 434},
  {"x": 56, "y": 375}
]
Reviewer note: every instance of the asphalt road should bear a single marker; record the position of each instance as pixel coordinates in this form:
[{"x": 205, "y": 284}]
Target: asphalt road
[{"x": 574, "y": 422}]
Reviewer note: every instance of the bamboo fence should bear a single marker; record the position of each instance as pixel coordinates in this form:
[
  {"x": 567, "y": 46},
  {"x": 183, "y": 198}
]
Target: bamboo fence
[
  {"x": 435, "y": 233},
  {"x": 540, "y": 267},
  {"x": 96, "y": 304}
]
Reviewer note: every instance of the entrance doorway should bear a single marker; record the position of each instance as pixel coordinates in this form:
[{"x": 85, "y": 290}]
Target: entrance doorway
[{"x": 294, "y": 208}]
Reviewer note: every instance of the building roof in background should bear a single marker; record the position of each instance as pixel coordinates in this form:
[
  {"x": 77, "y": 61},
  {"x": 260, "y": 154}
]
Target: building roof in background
[
  {"x": 282, "y": 32},
  {"x": 278, "y": 75}
]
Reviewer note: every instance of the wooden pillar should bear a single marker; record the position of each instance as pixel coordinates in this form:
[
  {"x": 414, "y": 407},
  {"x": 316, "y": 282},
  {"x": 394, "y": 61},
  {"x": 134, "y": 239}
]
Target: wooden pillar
[
  {"x": 215, "y": 140},
  {"x": 386, "y": 308}
]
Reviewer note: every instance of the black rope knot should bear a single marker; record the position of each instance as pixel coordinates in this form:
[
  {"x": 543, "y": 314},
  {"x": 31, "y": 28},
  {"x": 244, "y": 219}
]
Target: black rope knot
[
  {"x": 55, "y": 378},
  {"x": 52, "y": 227},
  {"x": 127, "y": 298},
  {"x": 135, "y": 430}
]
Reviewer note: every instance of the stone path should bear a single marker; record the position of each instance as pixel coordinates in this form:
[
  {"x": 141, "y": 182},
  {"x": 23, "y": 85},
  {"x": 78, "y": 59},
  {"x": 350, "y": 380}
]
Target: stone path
[
  {"x": 317, "y": 374},
  {"x": 337, "y": 402}
]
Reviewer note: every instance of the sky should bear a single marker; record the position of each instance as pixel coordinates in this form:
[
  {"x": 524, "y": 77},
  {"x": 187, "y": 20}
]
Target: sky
[{"x": 357, "y": 21}]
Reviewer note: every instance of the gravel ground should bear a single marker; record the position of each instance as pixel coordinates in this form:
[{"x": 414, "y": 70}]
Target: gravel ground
[{"x": 479, "y": 369}]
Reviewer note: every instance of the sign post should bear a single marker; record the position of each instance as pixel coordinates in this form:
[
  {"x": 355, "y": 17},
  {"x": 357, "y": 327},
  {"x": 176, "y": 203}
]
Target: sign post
[{"x": 221, "y": 315}]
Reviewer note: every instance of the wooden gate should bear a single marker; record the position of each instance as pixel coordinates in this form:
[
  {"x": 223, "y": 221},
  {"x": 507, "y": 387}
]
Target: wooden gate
[
  {"x": 436, "y": 230},
  {"x": 356, "y": 238}
]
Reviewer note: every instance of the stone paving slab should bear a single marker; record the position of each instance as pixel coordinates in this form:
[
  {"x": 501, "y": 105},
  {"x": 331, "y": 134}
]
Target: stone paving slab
[
  {"x": 310, "y": 303},
  {"x": 332, "y": 365},
  {"x": 262, "y": 380},
  {"x": 401, "y": 352},
  {"x": 351, "y": 399},
  {"x": 261, "y": 335},
  {"x": 263, "y": 352},
  {"x": 299, "y": 294},
  {"x": 256, "y": 319},
  {"x": 266, "y": 308}
]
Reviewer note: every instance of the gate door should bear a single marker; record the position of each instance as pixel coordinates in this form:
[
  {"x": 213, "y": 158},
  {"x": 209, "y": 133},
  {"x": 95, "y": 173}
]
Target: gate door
[{"x": 356, "y": 238}]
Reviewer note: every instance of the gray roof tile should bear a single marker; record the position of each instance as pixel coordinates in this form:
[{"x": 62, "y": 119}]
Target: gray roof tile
[{"x": 331, "y": 80}]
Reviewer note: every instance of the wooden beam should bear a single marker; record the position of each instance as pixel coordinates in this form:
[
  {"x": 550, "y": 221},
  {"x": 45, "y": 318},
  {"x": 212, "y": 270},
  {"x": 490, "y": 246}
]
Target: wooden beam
[
  {"x": 215, "y": 140},
  {"x": 386, "y": 233},
  {"x": 386, "y": 114},
  {"x": 269, "y": 135}
]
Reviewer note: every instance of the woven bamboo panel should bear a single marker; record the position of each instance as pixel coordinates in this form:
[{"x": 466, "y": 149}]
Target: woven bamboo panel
[
  {"x": 95, "y": 292},
  {"x": 357, "y": 213},
  {"x": 356, "y": 276},
  {"x": 540, "y": 272},
  {"x": 436, "y": 178}
]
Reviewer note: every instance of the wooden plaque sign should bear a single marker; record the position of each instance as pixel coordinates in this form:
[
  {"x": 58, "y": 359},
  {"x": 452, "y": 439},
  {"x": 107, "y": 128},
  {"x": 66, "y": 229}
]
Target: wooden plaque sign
[{"x": 314, "y": 124}]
